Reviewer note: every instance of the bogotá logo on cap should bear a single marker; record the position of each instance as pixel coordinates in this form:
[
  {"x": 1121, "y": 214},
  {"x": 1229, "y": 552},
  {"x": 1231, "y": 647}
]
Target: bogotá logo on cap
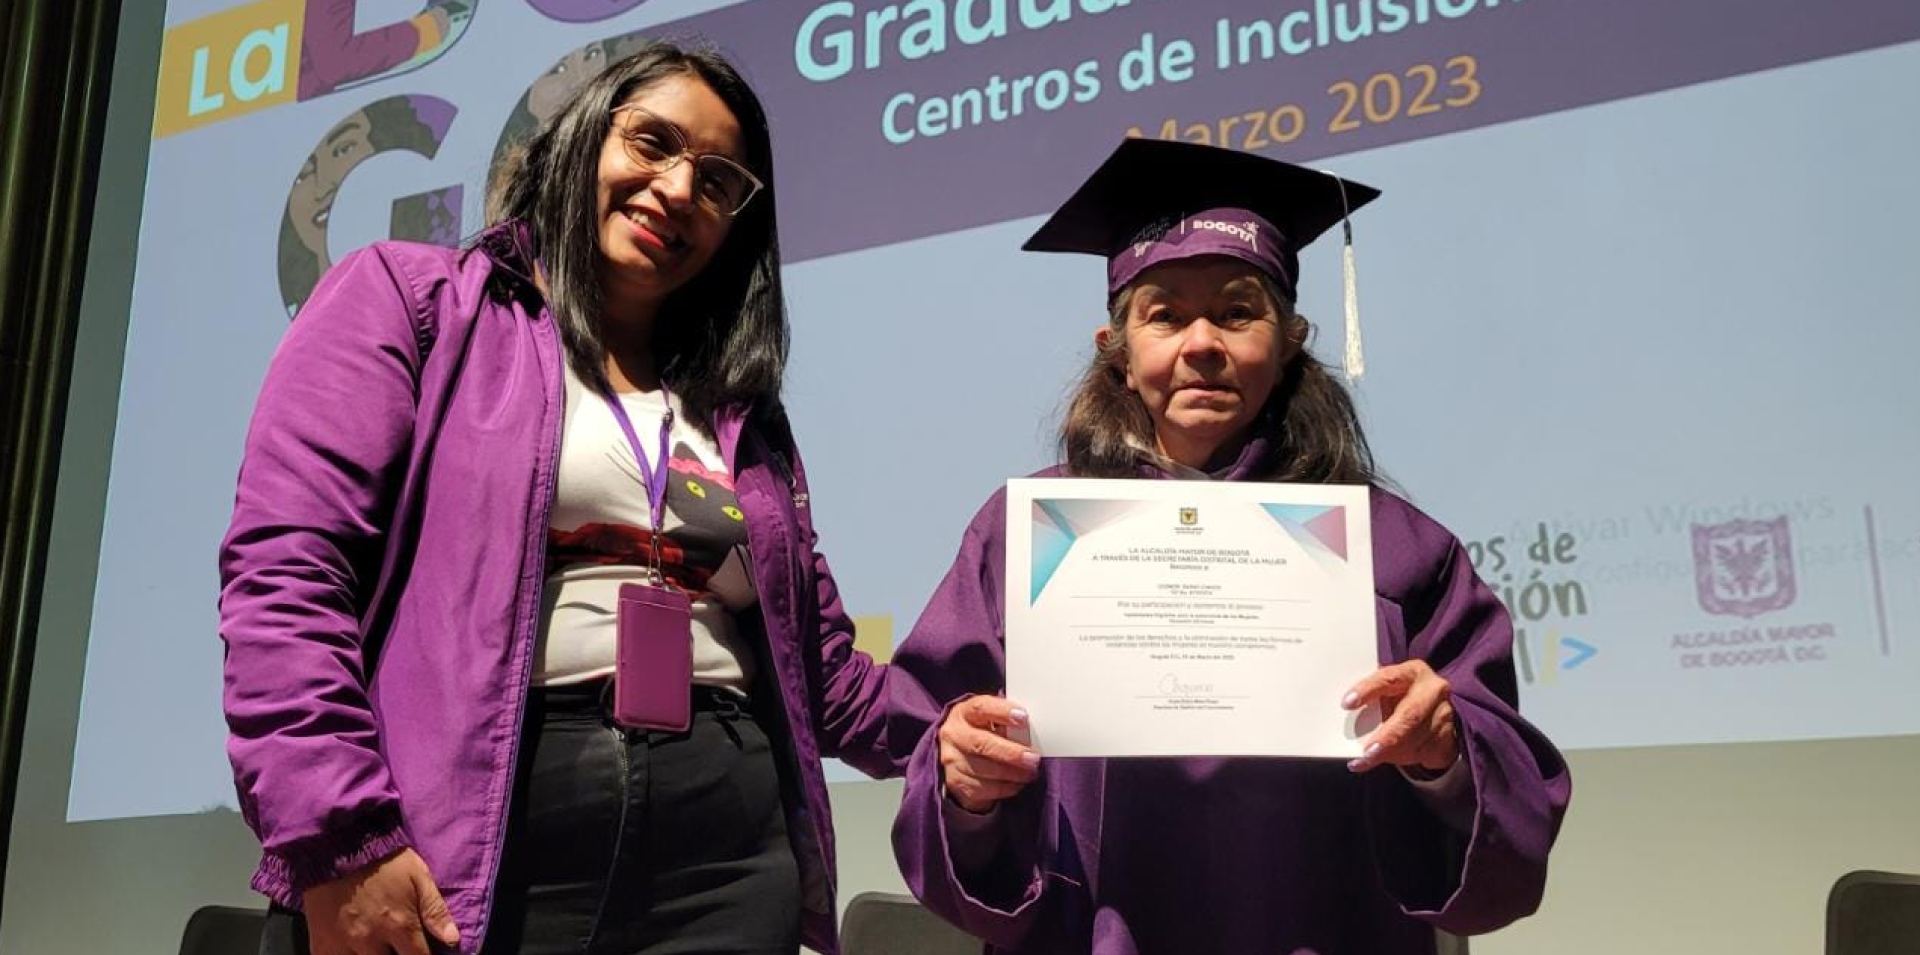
[
  {"x": 1743, "y": 568},
  {"x": 1244, "y": 231}
]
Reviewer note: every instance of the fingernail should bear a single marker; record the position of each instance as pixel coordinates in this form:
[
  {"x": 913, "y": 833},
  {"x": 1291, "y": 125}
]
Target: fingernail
[
  {"x": 1030, "y": 758},
  {"x": 1350, "y": 701},
  {"x": 1356, "y": 765},
  {"x": 1372, "y": 750},
  {"x": 1019, "y": 715}
]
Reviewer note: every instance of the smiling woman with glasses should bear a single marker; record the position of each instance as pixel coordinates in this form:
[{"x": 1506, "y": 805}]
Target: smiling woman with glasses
[
  {"x": 500, "y": 677},
  {"x": 656, "y": 146}
]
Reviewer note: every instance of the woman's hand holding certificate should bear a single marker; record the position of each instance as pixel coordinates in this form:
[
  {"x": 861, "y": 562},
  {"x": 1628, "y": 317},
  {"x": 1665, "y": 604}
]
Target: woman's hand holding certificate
[{"x": 1191, "y": 618}]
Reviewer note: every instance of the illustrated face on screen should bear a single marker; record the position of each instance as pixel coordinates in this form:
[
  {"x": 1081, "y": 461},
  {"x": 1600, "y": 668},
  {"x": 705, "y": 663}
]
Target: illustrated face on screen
[
  {"x": 415, "y": 124},
  {"x": 310, "y": 201},
  {"x": 1204, "y": 348},
  {"x": 550, "y": 92}
]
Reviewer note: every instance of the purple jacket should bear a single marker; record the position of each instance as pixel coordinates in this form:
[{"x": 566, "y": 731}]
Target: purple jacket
[
  {"x": 382, "y": 575},
  {"x": 1118, "y": 857}
]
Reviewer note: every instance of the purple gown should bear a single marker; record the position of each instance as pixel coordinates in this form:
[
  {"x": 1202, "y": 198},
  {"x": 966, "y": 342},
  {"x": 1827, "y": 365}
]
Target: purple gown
[{"x": 1124, "y": 856}]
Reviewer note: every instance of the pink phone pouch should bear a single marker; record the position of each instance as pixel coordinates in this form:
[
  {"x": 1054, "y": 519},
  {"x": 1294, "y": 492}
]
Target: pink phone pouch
[{"x": 653, "y": 660}]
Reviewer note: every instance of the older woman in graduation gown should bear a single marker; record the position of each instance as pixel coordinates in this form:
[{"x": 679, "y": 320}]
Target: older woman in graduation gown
[{"x": 1202, "y": 373}]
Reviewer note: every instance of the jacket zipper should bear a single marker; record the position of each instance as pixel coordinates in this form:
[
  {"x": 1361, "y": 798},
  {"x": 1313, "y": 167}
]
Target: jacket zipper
[
  {"x": 796, "y": 597},
  {"x": 530, "y": 583}
]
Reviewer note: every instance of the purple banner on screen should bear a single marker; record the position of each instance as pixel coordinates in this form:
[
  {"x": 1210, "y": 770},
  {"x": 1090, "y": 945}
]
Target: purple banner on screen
[{"x": 970, "y": 112}]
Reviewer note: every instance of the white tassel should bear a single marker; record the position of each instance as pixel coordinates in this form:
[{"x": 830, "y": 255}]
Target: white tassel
[
  {"x": 1356, "y": 363},
  {"x": 1356, "y": 360}
]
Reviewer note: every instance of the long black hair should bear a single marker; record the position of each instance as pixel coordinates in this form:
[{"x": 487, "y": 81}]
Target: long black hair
[{"x": 722, "y": 338}]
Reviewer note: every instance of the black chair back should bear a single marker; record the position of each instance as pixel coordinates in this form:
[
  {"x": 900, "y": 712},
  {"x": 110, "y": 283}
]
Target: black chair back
[
  {"x": 223, "y": 930},
  {"x": 886, "y": 923},
  {"x": 1874, "y": 913}
]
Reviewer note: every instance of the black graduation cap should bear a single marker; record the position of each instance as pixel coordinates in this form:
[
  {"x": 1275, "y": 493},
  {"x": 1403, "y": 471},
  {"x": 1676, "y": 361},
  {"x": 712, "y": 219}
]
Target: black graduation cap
[{"x": 1156, "y": 200}]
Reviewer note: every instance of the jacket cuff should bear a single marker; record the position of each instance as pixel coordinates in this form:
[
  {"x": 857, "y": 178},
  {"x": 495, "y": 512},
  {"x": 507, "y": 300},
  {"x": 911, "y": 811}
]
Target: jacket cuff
[
  {"x": 286, "y": 874},
  {"x": 1449, "y": 793},
  {"x": 973, "y": 838}
]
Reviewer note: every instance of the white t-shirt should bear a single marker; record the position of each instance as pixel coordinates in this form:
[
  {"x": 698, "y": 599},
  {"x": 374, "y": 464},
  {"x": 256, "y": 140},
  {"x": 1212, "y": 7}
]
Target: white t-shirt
[{"x": 600, "y": 532}]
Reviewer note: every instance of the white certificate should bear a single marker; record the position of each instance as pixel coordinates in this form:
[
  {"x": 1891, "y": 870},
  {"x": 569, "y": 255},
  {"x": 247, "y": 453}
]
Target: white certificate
[{"x": 1189, "y": 618}]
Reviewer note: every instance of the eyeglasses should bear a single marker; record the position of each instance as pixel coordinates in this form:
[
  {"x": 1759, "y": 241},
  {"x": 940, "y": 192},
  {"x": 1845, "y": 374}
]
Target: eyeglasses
[{"x": 655, "y": 146}]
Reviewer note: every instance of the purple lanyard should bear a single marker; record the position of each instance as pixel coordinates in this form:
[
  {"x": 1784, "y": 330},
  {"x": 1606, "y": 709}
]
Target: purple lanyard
[{"x": 656, "y": 481}]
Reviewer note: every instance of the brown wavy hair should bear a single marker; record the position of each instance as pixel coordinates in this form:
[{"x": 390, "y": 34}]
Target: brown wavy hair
[{"x": 1309, "y": 419}]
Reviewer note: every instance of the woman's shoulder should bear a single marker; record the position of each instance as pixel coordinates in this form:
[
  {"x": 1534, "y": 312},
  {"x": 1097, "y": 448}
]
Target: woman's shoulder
[
  {"x": 417, "y": 270},
  {"x": 990, "y": 520},
  {"x": 997, "y": 501},
  {"x": 1410, "y": 548},
  {"x": 440, "y": 288},
  {"x": 1395, "y": 513},
  {"x": 425, "y": 266}
]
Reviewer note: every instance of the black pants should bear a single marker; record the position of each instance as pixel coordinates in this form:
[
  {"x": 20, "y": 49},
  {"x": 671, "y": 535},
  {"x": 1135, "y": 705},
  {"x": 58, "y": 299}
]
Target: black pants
[{"x": 630, "y": 843}]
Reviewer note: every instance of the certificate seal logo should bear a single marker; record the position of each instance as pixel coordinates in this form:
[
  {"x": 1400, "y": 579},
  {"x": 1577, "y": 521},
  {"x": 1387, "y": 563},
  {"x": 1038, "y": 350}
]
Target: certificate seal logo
[
  {"x": 1743, "y": 568},
  {"x": 1189, "y": 516}
]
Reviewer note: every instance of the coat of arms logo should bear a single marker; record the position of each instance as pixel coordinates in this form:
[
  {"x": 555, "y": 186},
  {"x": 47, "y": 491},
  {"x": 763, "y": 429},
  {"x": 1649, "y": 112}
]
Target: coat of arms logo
[{"x": 1743, "y": 568}]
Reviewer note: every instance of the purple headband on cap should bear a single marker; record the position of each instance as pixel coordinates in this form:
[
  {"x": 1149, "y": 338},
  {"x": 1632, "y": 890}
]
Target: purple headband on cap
[{"x": 1227, "y": 231}]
